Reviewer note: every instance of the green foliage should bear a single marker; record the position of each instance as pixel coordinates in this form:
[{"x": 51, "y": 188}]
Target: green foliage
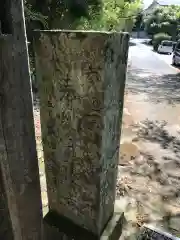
[
  {"x": 138, "y": 22},
  {"x": 114, "y": 15},
  {"x": 164, "y": 20},
  {"x": 107, "y": 15},
  {"x": 158, "y": 38},
  {"x": 91, "y": 14},
  {"x": 32, "y": 15}
]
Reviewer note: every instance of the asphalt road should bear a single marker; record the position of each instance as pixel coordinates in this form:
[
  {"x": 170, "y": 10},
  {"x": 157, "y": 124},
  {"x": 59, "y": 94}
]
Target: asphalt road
[
  {"x": 143, "y": 57},
  {"x": 149, "y": 165},
  {"x": 151, "y": 77}
]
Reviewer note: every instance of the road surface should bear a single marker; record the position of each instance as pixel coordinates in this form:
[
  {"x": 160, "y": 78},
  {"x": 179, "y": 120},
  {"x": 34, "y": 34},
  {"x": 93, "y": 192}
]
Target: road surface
[{"x": 149, "y": 165}]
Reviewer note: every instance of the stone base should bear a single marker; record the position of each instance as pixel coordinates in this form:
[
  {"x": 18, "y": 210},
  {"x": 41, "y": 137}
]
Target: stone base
[
  {"x": 114, "y": 227},
  {"x": 60, "y": 228}
]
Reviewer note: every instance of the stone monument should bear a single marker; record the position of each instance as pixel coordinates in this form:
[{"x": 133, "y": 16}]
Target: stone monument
[{"x": 81, "y": 77}]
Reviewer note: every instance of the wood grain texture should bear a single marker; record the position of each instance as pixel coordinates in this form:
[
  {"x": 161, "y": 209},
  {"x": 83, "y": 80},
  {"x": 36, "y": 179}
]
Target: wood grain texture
[
  {"x": 20, "y": 168},
  {"x": 81, "y": 79},
  {"x": 5, "y": 222}
]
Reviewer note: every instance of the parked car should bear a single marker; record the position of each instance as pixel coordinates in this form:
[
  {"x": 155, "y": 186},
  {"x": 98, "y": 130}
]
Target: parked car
[
  {"x": 165, "y": 47},
  {"x": 176, "y": 54}
]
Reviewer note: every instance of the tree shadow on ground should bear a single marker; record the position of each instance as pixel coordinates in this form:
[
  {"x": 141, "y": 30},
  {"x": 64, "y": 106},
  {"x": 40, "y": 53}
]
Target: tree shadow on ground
[
  {"x": 132, "y": 44},
  {"x": 157, "y": 87},
  {"x": 176, "y": 67},
  {"x": 147, "y": 42},
  {"x": 156, "y": 132},
  {"x": 154, "y": 183}
]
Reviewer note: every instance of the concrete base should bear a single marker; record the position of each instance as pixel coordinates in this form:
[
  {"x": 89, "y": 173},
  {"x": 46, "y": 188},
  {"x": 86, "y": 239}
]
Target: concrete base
[
  {"x": 114, "y": 227},
  {"x": 59, "y": 228}
]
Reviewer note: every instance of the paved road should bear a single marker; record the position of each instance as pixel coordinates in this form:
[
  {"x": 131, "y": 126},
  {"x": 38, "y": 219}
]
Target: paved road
[
  {"x": 147, "y": 59},
  {"x": 149, "y": 172},
  {"x": 153, "y": 86}
]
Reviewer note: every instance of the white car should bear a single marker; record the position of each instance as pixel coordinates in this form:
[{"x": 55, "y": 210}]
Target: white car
[{"x": 165, "y": 47}]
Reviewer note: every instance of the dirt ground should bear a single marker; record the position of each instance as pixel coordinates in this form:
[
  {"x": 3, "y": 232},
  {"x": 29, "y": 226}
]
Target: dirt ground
[{"x": 147, "y": 187}]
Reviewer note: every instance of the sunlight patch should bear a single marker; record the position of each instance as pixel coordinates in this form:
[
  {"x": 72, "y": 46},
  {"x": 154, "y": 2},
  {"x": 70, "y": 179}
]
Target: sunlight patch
[{"x": 143, "y": 75}]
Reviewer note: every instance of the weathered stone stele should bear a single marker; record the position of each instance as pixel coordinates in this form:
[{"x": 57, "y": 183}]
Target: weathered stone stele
[{"x": 81, "y": 79}]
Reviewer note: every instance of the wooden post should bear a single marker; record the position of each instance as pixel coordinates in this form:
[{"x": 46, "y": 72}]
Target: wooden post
[
  {"x": 5, "y": 223},
  {"x": 81, "y": 79},
  {"x": 19, "y": 164}
]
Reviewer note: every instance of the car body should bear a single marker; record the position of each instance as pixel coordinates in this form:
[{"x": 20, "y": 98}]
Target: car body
[
  {"x": 176, "y": 55},
  {"x": 165, "y": 47}
]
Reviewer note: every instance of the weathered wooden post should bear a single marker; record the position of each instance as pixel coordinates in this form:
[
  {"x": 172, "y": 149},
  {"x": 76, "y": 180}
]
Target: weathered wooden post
[
  {"x": 5, "y": 223},
  {"x": 81, "y": 82},
  {"x": 20, "y": 183}
]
